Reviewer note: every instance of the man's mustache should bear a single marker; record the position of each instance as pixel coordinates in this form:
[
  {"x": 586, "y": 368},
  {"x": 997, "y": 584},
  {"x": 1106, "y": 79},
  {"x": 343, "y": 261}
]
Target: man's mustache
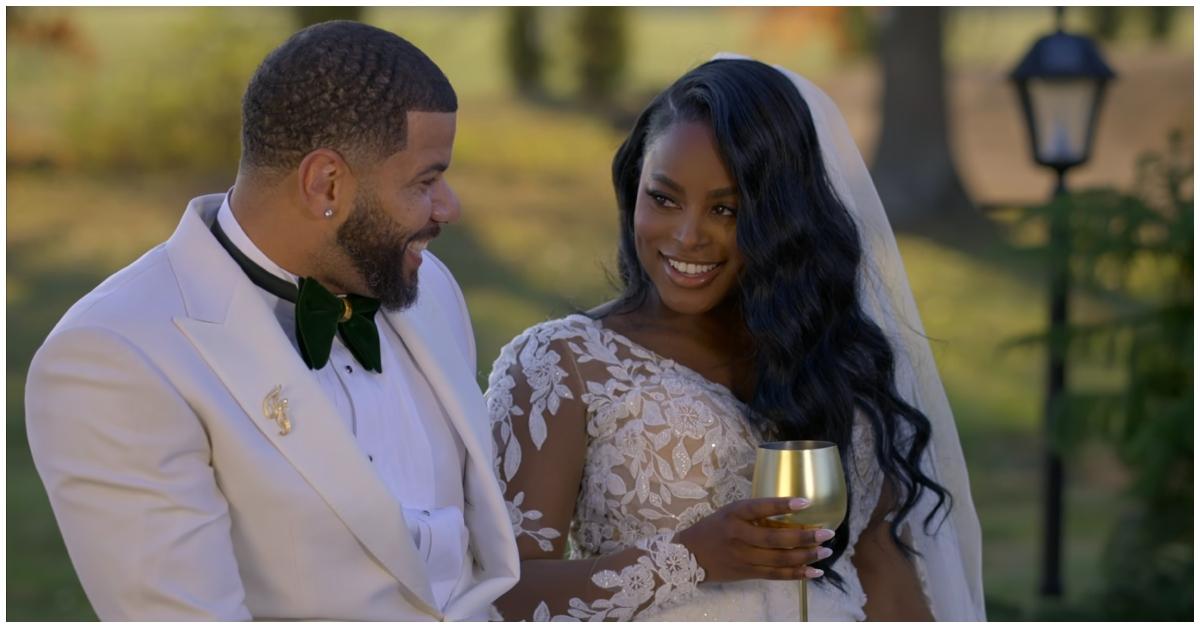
[{"x": 428, "y": 233}]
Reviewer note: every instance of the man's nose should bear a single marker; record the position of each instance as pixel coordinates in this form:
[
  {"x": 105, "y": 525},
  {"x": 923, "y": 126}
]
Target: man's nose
[{"x": 446, "y": 208}]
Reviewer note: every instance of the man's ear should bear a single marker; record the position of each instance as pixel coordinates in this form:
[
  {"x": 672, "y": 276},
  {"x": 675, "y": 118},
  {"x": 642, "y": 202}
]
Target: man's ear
[{"x": 326, "y": 184}]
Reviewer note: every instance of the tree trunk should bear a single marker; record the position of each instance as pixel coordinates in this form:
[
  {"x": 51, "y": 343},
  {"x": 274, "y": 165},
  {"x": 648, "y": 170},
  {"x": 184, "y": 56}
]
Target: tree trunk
[
  {"x": 602, "y": 35},
  {"x": 914, "y": 170},
  {"x": 523, "y": 50}
]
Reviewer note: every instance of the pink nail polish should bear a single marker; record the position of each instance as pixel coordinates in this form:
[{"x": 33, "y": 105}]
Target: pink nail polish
[
  {"x": 824, "y": 553},
  {"x": 798, "y": 503},
  {"x": 824, "y": 535},
  {"x": 813, "y": 572}
]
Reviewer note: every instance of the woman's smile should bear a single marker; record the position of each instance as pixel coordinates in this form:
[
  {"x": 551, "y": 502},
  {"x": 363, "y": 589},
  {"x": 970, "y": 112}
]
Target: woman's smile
[{"x": 690, "y": 275}]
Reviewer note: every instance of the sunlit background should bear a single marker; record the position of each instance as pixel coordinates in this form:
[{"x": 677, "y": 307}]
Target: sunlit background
[{"x": 117, "y": 117}]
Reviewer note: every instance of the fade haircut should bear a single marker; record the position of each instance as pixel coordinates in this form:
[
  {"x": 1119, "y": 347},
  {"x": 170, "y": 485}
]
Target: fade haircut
[{"x": 340, "y": 85}]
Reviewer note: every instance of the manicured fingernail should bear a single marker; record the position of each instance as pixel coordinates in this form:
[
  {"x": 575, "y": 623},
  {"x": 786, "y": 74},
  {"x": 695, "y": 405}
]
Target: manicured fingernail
[
  {"x": 813, "y": 572},
  {"x": 798, "y": 503},
  {"x": 824, "y": 553},
  {"x": 824, "y": 535}
]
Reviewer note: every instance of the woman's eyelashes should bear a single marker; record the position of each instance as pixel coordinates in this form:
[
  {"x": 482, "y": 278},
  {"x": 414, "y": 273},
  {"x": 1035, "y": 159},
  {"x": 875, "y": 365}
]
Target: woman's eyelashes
[{"x": 662, "y": 200}]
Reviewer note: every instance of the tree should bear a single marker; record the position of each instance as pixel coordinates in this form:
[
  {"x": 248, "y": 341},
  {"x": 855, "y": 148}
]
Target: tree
[
  {"x": 523, "y": 48},
  {"x": 914, "y": 169},
  {"x": 601, "y": 33}
]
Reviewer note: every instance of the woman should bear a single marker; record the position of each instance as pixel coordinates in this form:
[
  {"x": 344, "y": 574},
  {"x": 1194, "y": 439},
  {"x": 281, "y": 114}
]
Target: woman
[{"x": 764, "y": 299}]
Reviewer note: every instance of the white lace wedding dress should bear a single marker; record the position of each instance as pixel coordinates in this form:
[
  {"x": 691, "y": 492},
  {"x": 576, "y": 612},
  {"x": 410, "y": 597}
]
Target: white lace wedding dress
[{"x": 655, "y": 447}]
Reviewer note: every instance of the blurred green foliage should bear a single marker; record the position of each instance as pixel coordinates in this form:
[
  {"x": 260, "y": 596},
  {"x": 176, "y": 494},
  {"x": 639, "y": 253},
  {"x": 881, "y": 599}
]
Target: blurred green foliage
[
  {"x": 861, "y": 28},
  {"x": 1106, "y": 22},
  {"x": 176, "y": 108},
  {"x": 1137, "y": 249},
  {"x": 309, "y": 15}
]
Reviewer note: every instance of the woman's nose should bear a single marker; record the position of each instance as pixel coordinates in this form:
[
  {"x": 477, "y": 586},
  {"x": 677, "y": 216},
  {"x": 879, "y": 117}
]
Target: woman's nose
[{"x": 690, "y": 231}]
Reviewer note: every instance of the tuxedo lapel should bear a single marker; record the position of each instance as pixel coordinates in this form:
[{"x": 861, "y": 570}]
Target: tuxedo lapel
[
  {"x": 237, "y": 334},
  {"x": 419, "y": 328},
  {"x": 424, "y": 330}
]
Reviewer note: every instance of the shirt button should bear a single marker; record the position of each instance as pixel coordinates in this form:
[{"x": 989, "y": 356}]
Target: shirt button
[
  {"x": 370, "y": 458},
  {"x": 349, "y": 369}
]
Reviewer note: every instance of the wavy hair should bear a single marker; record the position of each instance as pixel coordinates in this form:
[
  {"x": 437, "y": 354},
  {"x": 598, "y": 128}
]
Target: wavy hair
[{"x": 819, "y": 358}]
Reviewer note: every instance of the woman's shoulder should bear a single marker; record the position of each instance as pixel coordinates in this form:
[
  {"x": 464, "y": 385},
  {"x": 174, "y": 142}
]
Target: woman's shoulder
[
  {"x": 556, "y": 329},
  {"x": 557, "y": 332}
]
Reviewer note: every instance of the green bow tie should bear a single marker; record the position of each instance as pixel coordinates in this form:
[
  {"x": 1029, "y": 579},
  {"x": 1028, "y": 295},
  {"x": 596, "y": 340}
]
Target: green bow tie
[{"x": 320, "y": 314}]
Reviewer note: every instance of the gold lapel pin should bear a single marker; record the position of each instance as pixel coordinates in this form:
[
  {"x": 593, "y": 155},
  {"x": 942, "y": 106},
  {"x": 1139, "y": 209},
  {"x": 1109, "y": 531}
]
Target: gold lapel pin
[{"x": 275, "y": 409}]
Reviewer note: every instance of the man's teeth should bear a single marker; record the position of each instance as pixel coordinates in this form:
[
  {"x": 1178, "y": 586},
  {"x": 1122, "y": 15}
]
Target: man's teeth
[{"x": 690, "y": 269}]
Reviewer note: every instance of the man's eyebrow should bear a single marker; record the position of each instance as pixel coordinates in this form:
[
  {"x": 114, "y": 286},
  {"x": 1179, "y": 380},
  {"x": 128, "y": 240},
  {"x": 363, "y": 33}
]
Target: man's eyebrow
[{"x": 432, "y": 168}]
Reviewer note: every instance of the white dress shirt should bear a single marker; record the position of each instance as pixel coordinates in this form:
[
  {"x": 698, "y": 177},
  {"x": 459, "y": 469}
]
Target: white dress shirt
[{"x": 399, "y": 425}]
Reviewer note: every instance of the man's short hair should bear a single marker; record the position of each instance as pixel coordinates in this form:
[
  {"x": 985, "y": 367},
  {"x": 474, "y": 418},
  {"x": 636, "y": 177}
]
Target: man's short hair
[{"x": 340, "y": 85}]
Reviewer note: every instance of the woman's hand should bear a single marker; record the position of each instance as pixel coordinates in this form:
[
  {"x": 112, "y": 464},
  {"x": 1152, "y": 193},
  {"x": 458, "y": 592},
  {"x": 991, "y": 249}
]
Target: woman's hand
[{"x": 730, "y": 545}]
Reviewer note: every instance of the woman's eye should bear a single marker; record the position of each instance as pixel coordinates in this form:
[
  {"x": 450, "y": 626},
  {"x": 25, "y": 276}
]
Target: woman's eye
[
  {"x": 723, "y": 210},
  {"x": 659, "y": 199}
]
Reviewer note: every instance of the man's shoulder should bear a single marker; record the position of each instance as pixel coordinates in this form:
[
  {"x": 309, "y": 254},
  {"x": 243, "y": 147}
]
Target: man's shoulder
[
  {"x": 436, "y": 276},
  {"x": 438, "y": 289},
  {"x": 138, "y": 296}
]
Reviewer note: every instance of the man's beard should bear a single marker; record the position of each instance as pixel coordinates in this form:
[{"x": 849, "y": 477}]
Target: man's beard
[{"x": 377, "y": 246}]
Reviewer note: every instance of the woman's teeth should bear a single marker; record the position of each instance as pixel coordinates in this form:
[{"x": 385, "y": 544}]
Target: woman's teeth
[{"x": 691, "y": 269}]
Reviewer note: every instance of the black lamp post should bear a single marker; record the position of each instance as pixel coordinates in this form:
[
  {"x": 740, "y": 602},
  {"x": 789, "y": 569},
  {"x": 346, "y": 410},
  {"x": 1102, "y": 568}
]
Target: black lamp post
[{"x": 1061, "y": 82}]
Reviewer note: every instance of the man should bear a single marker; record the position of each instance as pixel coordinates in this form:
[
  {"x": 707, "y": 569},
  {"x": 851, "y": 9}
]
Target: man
[{"x": 227, "y": 430}]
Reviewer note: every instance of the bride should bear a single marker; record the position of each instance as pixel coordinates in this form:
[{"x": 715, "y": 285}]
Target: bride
[{"x": 764, "y": 299}]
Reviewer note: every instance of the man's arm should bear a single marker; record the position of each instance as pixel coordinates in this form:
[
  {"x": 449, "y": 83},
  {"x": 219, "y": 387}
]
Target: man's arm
[
  {"x": 889, "y": 578},
  {"x": 127, "y": 466}
]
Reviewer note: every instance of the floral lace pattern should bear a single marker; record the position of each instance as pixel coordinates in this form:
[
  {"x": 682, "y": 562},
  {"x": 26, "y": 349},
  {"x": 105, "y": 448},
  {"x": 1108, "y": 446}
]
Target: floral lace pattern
[
  {"x": 666, "y": 562},
  {"x": 665, "y": 448}
]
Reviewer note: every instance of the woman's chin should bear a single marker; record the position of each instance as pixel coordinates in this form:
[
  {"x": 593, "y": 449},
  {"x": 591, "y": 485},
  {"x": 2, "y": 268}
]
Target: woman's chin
[{"x": 700, "y": 302}]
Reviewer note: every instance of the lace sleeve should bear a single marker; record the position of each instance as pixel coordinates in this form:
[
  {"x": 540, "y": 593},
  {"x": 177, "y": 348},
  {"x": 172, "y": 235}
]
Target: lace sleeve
[{"x": 539, "y": 423}]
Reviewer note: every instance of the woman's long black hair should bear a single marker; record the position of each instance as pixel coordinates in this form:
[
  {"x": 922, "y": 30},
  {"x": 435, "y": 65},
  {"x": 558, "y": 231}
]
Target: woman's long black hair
[{"x": 818, "y": 357}]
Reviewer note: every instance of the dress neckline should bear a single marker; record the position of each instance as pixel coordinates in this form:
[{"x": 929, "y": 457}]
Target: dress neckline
[{"x": 661, "y": 359}]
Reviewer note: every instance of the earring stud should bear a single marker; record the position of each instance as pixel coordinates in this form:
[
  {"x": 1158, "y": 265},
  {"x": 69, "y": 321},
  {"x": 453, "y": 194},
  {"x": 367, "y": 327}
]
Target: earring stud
[{"x": 329, "y": 212}]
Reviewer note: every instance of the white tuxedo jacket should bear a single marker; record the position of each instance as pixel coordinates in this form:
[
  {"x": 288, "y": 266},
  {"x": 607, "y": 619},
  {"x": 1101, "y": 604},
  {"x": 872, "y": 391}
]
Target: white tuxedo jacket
[{"x": 179, "y": 499}]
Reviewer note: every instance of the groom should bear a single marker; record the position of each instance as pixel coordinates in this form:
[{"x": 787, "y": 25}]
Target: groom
[{"x": 274, "y": 414}]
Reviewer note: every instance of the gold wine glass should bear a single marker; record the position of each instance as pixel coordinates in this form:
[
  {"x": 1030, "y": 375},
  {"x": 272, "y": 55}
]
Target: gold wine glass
[{"x": 811, "y": 469}]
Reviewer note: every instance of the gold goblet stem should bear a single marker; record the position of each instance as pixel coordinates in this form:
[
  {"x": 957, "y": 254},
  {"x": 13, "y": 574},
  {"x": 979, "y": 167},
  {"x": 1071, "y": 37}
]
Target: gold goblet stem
[{"x": 804, "y": 599}]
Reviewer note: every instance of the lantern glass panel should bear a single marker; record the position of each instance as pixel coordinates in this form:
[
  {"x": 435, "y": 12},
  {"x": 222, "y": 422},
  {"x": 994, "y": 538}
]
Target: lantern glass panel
[{"x": 1062, "y": 111}]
